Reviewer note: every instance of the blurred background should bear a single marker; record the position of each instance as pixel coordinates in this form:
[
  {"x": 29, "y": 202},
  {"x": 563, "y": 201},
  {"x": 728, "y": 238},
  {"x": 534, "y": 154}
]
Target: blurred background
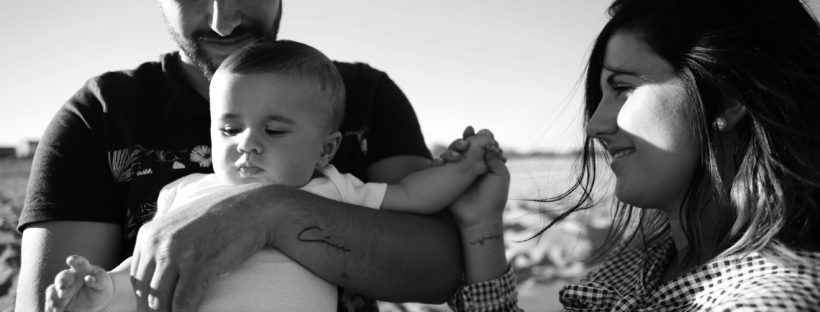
[{"x": 511, "y": 66}]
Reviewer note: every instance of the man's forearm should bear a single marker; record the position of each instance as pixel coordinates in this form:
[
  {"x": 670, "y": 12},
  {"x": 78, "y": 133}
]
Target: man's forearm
[
  {"x": 389, "y": 256},
  {"x": 45, "y": 247}
]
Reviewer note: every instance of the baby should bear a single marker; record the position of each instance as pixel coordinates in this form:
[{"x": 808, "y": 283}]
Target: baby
[{"x": 275, "y": 113}]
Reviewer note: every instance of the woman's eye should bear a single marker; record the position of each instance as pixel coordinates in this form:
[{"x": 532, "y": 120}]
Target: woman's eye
[{"x": 622, "y": 89}]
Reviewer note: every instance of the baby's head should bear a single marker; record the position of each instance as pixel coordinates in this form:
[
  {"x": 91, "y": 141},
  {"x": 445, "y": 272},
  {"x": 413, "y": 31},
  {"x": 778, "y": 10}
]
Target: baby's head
[{"x": 275, "y": 112}]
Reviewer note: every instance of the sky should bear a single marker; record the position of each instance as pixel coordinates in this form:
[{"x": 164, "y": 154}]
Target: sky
[{"x": 513, "y": 66}]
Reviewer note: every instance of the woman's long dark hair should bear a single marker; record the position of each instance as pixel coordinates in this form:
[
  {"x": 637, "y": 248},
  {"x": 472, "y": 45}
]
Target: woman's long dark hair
[{"x": 762, "y": 54}]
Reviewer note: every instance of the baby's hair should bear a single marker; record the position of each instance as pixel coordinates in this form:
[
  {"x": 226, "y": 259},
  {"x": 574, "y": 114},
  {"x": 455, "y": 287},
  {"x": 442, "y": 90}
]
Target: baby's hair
[{"x": 294, "y": 59}]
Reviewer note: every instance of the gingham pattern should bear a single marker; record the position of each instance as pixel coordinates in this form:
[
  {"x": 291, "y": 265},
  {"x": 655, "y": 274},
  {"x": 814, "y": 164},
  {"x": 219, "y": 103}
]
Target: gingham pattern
[
  {"x": 632, "y": 282},
  {"x": 490, "y": 296}
]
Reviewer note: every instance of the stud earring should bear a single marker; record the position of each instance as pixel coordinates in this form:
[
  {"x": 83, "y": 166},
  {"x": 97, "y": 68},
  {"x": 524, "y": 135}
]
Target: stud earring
[{"x": 720, "y": 123}]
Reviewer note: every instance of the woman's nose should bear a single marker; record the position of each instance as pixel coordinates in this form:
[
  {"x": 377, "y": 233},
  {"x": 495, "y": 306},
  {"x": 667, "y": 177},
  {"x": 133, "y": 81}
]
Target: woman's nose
[
  {"x": 604, "y": 119},
  {"x": 225, "y": 17}
]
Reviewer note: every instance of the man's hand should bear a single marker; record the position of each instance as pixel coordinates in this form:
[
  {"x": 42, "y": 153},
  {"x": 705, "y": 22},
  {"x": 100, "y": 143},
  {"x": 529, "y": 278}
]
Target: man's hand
[{"x": 178, "y": 254}]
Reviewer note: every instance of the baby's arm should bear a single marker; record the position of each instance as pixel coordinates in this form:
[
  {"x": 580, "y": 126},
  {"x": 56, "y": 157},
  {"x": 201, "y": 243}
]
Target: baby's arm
[
  {"x": 87, "y": 287},
  {"x": 432, "y": 189}
]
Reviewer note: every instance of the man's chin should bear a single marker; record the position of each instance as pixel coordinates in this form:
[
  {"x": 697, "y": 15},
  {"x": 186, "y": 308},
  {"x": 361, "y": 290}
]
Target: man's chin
[{"x": 206, "y": 64}]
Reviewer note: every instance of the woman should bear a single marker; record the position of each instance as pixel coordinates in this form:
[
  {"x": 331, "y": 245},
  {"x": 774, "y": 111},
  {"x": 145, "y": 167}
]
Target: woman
[{"x": 706, "y": 110}]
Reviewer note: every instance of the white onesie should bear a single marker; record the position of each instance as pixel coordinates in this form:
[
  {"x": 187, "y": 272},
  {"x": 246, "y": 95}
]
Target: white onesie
[{"x": 270, "y": 280}]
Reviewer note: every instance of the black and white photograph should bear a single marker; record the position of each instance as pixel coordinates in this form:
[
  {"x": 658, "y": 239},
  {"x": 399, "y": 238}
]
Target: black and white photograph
[{"x": 410, "y": 156}]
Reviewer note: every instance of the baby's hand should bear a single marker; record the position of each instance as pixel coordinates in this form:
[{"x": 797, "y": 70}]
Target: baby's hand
[
  {"x": 81, "y": 287},
  {"x": 478, "y": 146},
  {"x": 484, "y": 201}
]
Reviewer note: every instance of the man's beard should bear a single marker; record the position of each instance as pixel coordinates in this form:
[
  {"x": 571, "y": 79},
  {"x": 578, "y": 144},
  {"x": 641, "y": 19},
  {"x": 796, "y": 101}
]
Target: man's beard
[{"x": 192, "y": 47}]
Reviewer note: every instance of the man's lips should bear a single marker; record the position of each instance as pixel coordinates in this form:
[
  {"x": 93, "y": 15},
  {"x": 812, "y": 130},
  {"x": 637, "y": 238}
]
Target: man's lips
[
  {"x": 225, "y": 45},
  {"x": 229, "y": 40}
]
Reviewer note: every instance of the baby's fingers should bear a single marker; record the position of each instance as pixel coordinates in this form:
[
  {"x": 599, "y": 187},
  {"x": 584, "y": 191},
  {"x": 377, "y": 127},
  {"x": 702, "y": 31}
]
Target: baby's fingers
[
  {"x": 79, "y": 264},
  {"x": 468, "y": 132},
  {"x": 54, "y": 303},
  {"x": 64, "y": 281},
  {"x": 65, "y": 287},
  {"x": 486, "y": 132},
  {"x": 93, "y": 282}
]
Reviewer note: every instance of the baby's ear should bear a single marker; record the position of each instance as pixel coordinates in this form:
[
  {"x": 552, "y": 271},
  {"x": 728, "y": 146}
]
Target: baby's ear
[{"x": 329, "y": 148}]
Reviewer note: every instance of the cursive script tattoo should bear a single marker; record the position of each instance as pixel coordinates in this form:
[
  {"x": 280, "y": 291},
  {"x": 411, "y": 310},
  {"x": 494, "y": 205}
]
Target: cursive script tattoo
[
  {"x": 481, "y": 241},
  {"x": 313, "y": 234}
]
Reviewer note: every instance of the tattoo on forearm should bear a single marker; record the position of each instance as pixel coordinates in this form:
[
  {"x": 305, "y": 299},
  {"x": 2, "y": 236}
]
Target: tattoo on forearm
[
  {"x": 313, "y": 234},
  {"x": 481, "y": 241}
]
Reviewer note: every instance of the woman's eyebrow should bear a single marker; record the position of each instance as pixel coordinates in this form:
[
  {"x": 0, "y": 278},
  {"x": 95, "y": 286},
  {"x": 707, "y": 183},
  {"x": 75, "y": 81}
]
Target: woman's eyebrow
[
  {"x": 620, "y": 71},
  {"x": 616, "y": 71}
]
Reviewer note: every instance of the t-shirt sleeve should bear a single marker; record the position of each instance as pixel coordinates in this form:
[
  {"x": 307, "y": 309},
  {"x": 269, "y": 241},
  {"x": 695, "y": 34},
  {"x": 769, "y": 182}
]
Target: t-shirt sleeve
[
  {"x": 166, "y": 197},
  {"x": 70, "y": 177},
  {"x": 356, "y": 192},
  {"x": 394, "y": 128}
]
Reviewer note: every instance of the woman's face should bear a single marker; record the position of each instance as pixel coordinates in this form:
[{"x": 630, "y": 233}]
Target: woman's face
[{"x": 644, "y": 122}]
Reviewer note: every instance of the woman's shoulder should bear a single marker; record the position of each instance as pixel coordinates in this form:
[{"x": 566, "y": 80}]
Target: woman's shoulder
[
  {"x": 761, "y": 282},
  {"x": 769, "y": 267}
]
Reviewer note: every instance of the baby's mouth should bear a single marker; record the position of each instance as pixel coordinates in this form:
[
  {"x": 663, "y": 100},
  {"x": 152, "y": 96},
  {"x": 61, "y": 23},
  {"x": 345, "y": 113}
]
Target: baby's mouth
[{"x": 249, "y": 171}]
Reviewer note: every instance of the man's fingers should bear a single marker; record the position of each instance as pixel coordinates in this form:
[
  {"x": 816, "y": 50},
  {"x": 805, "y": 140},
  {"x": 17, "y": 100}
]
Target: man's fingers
[
  {"x": 162, "y": 286},
  {"x": 140, "y": 279},
  {"x": 189, "y": 291}
]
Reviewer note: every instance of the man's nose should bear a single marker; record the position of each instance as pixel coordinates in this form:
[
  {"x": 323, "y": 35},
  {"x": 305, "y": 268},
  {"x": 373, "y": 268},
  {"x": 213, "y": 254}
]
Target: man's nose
[{"x": 225, "y": 17}]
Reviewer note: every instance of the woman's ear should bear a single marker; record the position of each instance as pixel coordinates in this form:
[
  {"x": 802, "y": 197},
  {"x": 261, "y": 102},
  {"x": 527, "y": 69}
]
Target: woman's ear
[
  {"x": 730, "y": 117},
  {"x": 329, "y": 148}
]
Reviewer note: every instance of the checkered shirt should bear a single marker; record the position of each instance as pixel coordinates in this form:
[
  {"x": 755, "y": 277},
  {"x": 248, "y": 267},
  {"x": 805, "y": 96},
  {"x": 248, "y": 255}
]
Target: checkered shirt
[
  {"x": 632, "y": 281},
  {"x": 491, "y": 296}
]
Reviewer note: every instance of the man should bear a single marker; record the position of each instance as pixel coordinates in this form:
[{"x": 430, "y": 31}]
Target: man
[{"x": 124, "y": 135}]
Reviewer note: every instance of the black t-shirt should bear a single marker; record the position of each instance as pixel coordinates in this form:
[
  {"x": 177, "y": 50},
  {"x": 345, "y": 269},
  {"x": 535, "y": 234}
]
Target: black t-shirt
[{"x": 111, "y": 148}]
